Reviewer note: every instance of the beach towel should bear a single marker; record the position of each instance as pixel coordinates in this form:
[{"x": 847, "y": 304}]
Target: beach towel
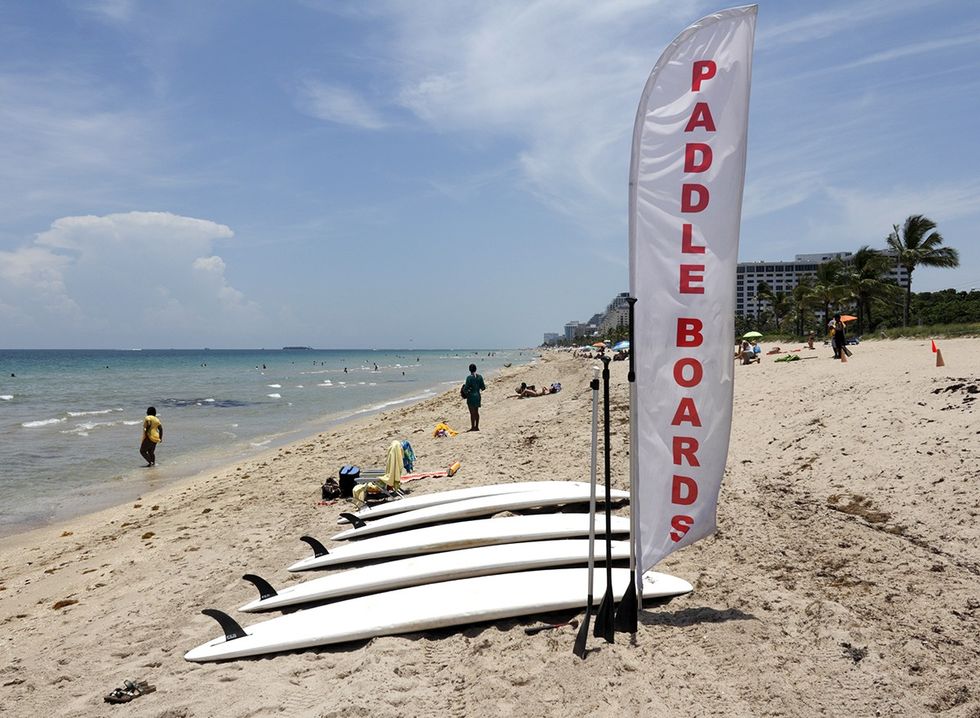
[
  {"x": 443, "y": 429},
  {"x": 392, "y": 478},
  {"x": 408, "y": 457}
]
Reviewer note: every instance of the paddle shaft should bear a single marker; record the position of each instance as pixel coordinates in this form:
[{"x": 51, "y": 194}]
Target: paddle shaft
[
  {"x": 604, "y": 627},
  {"x": 592, "y": 479},
  {"x": 583, "y": 635},
  {"x": 607, "y": 458}
]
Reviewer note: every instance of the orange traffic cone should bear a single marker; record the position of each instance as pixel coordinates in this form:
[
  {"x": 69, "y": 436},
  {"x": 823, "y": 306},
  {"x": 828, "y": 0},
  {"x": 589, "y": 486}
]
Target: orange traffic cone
[{"x": 939, "y": 358}]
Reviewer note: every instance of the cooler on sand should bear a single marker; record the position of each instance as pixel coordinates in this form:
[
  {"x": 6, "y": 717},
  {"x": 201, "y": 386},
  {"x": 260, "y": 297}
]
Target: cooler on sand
[{"x": 347, "y": 478}]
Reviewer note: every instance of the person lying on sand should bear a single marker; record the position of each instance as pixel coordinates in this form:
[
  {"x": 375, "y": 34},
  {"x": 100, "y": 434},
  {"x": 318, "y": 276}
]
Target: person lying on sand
[{"x": 524, "y": 391}]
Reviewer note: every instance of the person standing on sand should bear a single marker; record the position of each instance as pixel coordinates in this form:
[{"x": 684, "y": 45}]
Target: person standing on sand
[
  {"x": 839, "y": 339},
  {"x": 474, "y": 385},
  {"x": 152, "y": 435}
]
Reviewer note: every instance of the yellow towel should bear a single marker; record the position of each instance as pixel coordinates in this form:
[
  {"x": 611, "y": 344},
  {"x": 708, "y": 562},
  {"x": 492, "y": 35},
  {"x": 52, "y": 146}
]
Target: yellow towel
[
  {"x": 392, "y": 476},
  {"x": 443, "y": 427}
]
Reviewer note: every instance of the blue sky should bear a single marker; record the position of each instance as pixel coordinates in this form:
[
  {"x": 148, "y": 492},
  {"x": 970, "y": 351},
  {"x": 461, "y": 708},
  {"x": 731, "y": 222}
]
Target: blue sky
[{"x": 394, "y": 174}]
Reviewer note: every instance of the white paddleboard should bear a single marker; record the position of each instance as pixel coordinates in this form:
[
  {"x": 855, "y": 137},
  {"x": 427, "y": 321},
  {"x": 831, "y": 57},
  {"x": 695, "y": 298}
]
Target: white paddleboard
[
  {"x": 422, "y": 608},
  {"x": 448, "y": 537},
  {"x": 480, "y": 506},
  {"x": 417, "y": 570},
  {"x": 398, "y": 506}
]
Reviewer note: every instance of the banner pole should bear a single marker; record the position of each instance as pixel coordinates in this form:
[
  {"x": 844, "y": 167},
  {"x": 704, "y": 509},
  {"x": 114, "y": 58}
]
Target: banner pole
[{"x": 627, "y": 615}]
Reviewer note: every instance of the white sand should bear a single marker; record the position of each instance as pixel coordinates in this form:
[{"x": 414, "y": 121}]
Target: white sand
[{"x": 844, "y": 579}]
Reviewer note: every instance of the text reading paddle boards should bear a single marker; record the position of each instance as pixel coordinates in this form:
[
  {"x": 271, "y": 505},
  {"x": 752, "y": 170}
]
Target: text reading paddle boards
[{"x": 688, "y": 370}]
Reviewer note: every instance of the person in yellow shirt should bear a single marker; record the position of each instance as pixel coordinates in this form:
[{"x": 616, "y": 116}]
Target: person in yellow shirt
[{"x": 152, "y": 435}]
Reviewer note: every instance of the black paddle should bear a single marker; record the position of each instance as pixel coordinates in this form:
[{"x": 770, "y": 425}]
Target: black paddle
[
  {"x": 583, "y": 635},
  {"x": 604, "y": 619},
  {"x": 627, "y": 614}
]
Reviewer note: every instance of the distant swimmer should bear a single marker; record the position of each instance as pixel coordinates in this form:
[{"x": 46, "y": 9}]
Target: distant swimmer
[{"x": 152, "y": 435}]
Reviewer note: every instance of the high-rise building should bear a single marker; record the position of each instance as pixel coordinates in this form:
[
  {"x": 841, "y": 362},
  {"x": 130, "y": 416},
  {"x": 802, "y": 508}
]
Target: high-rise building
[{"x": 784, "y": 276}]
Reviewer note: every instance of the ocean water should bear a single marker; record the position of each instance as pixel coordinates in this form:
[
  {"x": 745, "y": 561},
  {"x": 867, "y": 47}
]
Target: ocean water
[{"x": 70, "y": 421}]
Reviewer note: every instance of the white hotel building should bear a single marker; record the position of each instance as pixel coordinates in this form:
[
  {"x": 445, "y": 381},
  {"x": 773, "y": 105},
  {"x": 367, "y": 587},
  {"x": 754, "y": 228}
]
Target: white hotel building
[{"x": 783, "y": 276}]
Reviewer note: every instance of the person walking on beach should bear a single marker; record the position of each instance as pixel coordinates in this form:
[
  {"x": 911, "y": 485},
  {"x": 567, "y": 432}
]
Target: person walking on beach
[
  {"x": 474, "y": 385},
  {"x": 839, "y": 338},
  {"x": 152, "y": 435}
]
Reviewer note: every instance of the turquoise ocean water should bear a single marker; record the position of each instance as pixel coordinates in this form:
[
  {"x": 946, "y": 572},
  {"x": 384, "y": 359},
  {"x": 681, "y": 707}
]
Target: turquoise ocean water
[{"x": 70, "y": 420}]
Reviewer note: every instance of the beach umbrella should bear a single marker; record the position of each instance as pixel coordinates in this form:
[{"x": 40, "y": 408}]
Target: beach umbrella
[
  {"x": 752, "y": 335},
  {"x": 847, "y": 318},
  {"x": 619, "y": 346},
  {"x": 598, "y": 345}
]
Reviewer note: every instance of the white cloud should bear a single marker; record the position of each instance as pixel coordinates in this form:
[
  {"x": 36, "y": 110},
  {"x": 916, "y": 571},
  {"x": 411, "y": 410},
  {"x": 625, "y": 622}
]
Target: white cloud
[
  {"x": 557, "y": 77},
  {"x": 128, "y": 277},
  {"x": 112, "y": 10},
  {"x": 64, "y": 138},
  {"x": 868, "y": 217},
  {"x": 342, "y": 105}
]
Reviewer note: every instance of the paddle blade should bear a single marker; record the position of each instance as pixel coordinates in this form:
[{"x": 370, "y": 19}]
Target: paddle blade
[
  {"x": 626, "y": 613},
  {"x": 583, "y": 633},
  {"x": 604, "y": 618}
]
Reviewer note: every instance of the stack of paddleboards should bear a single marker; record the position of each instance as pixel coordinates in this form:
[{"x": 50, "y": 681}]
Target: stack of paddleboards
[{"x": 438, "y": 560}]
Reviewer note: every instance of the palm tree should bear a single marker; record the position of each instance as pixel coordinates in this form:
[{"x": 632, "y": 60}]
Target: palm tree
[
  {"x": 763, "y": 293},
  {"x": 827, "y": 289},
  {"x": 866, "y": 282},
  {"x": 803, "y": 303},
  {"x": 782, "y": 305},
  {"x": 918, "y": 244}
]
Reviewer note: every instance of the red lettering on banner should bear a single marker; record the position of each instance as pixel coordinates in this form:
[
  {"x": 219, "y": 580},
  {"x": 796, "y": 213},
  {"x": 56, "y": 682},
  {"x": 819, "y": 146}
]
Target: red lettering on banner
[
  {"x": 691, "y": 151},
  {"x": 686, "y": 411},
  {"x": 697, "y": 371},
  {"x": 701, "y": 117},
  {"x": 683, "y": 490},
  {"x": 691, "y": 275},
  {"x": 687, "y": 241},
  {"x": 685, "y": 447},
  {"x": 688, "y": 371},
  {"x": 681, "y": 525},
  {"x": 688, "y": 190},
  {"x": 702, "y": 70},
  {"x": 689, "y": 332}
]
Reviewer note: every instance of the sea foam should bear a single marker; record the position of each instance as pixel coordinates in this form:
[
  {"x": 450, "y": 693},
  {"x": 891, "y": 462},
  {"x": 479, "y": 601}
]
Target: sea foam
[
  {"x": 92, "y": 413},
  {"x": 43, "y": 422}
]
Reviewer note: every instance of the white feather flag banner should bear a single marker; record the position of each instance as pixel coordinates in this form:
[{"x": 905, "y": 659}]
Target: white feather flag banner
[{"x": 686, "y": 177}]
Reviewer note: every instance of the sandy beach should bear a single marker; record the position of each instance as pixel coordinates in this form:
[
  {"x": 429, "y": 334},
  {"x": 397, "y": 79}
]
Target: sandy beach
[{"x": 844, "y": 579}]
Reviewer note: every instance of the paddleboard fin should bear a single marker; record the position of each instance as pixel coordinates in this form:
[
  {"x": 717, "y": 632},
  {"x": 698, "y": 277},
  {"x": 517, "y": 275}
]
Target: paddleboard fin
[
  {"x": 228, "y": 624},
  {"x": 265, "y": 588},
  {"x": 355, "y": 521},
  {"x": 318, "y": 548}
]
